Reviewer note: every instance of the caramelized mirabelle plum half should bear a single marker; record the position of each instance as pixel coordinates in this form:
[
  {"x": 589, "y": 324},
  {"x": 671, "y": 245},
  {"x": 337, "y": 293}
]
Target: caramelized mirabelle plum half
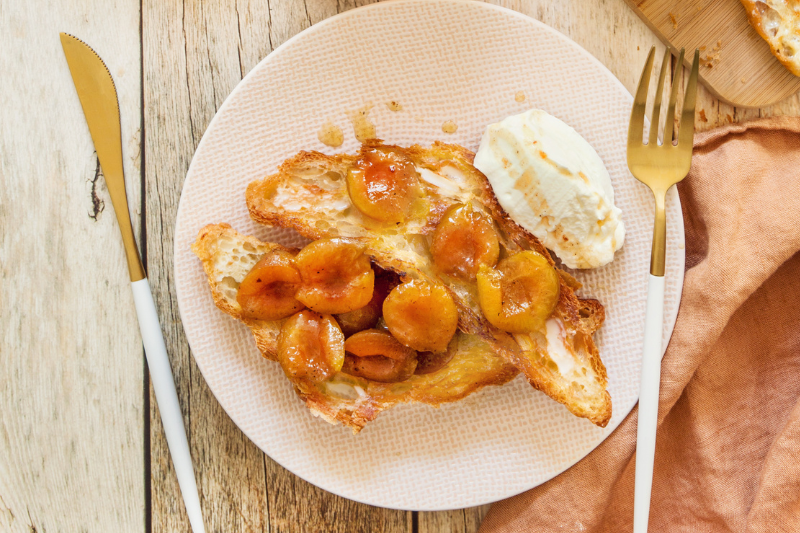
[
  {"x": 267, "y": 292},
  {"x": 337, "y": 276},
  {"x": 376, "y": 355},
  {"x": 464, "y": 241},
  {"x": 376, "y": 342},
  {"x": 428, "y": 362},
  {"x": 520, "y": 293},
  {"x": 311, "y": 346},
  {"x": 366, "y": 317},
  {"x": 421, "y": 315},
  {"x": 383, "y": 185}
]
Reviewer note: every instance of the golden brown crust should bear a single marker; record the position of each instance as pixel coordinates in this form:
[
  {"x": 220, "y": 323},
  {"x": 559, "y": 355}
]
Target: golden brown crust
[
  {"x": 304, "y": 192},
  {"x": 759, "y": 14}
]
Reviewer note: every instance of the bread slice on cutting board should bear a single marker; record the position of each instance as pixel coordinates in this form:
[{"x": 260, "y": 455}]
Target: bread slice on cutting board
[{"x": 778, "y": 23}]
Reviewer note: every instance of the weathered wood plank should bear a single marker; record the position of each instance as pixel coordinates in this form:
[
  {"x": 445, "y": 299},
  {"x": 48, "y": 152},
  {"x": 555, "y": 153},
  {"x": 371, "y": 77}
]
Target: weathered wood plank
[
  {"x": 458, "y": 521},
  {"x": 192, "y": 61},
  {"x": 71, "y": 420},
  {"x": 295, "y": 505},
  {"x": 210, "y": 46}
]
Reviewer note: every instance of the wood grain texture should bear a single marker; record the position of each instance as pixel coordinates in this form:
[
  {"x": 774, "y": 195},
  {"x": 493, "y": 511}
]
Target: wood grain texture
[
  {"x": 191, "y": 62},
  {"x": 747, "y": 74},
  {"x": 195, "y": 54},
  {"x": 71, "y": 439},
  {"x": 72, "y": 410}
]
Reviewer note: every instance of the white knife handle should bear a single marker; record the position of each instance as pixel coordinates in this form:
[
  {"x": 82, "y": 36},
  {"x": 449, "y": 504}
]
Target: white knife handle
[
  {"x": 167, "y": 398},
  {"x": 648, "y": 403}
]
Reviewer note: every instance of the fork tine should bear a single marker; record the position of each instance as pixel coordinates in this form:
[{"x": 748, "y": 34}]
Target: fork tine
[
  {"x": 686, "y": 133},
  {"x": 673, "y": 97},
  {"x": 636, "y": 126},
  {"x": 657, "y": 104}
]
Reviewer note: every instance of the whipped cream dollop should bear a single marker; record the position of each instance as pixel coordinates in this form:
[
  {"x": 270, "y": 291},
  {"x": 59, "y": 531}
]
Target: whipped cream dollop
[{"x": 552, "y": 183}]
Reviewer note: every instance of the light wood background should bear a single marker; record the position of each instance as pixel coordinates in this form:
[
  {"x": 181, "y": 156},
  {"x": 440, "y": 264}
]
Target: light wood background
[{"x": 81, "y": 445}]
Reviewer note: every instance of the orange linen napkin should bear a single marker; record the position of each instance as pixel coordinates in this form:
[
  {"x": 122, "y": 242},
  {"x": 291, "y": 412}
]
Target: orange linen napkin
[{"x": 728, "y": 446}]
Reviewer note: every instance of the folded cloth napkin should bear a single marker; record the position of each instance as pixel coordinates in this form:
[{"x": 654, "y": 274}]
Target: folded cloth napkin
[{"x": 729, "y": 419}]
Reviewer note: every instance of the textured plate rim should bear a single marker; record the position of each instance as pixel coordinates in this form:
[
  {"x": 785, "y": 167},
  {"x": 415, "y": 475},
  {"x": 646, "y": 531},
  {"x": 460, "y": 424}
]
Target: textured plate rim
[{"x": 670, "y": 320}]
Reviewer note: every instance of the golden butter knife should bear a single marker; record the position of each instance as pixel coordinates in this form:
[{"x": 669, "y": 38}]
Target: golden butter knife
[{"x": 98, "y": 97}]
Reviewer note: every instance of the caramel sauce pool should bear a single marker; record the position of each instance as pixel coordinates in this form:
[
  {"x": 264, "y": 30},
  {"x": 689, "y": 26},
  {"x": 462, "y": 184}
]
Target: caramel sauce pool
[
  {"x": 520, "y": 96},
  {"x": 330, "y": 135},
  {"x": 394, "y": 105}
]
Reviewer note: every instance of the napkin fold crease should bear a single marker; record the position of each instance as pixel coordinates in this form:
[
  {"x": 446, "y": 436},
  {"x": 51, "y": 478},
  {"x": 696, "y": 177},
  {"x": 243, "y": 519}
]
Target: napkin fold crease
[{"x": 729, "y": 416}]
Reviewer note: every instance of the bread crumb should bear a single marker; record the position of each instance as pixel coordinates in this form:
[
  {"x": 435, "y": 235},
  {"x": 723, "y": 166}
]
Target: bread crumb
[
  {"x": 330, "y": 135},
  {"x": 394, "y": 105},
  {"x": 711, "y": 58},
  {"x": 702, "y": 48},
  {"x": 449, "y": 127},
  {"x": 637, "y": 47},
  {"x": 363, "y": 128},
  {"x": 674, "y": 21},
  {"x": 703, "y": 115},
  {"x": 744, "y": 80}
]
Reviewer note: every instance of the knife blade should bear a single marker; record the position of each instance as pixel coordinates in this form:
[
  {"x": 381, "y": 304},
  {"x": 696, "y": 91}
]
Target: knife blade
[{"x": 98, "y": 96}]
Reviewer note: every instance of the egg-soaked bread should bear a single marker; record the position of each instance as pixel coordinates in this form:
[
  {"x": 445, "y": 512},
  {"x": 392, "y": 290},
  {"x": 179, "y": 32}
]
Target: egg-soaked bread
[
  {"x": 228, "y": 256},
  {"x": 314, "y": 194}
]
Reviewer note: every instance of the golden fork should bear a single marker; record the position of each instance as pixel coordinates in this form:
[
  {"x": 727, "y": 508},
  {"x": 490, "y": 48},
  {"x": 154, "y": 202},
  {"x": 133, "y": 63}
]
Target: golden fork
[{"x": 659, "y": 167}]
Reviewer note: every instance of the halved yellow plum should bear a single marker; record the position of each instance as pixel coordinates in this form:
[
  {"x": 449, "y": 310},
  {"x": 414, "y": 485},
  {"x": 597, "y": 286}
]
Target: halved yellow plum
[
  {"x": 374, "y": 354},
  {"x": 367, "y": 317},
  {"x": 464, "y": 241},
  {"x": 379, "y": 368},
  {"x": 383, "y": 185},
  {"x": 421, "y": 315},
  {"x": 429, "y": 362},
  {"x": 337, "y": 276},
  {"x": 268, "y": 290},
  {"x": 311, "y": 346},
  {"x": 519, "y": 294},
  {"x": 376, "y": 342}
]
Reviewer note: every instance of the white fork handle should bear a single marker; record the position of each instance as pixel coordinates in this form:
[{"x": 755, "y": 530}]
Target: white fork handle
[
  {"x": 648, "y": 403},
  {"x": 167, "y": 398}
]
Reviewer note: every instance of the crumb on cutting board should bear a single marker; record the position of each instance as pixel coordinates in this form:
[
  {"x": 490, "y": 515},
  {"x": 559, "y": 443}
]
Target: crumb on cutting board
[
  {"x": 674, "y": 20},
  {"x": 712, "y": 57}
]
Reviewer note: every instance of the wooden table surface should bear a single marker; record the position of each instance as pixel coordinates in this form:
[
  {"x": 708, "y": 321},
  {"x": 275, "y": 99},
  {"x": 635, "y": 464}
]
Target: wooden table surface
[{"x": 81, "y": 442}]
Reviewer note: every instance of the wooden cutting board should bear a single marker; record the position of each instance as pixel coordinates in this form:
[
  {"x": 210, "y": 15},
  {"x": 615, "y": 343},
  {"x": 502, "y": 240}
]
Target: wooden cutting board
[{"x": 737, "y": 65}]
